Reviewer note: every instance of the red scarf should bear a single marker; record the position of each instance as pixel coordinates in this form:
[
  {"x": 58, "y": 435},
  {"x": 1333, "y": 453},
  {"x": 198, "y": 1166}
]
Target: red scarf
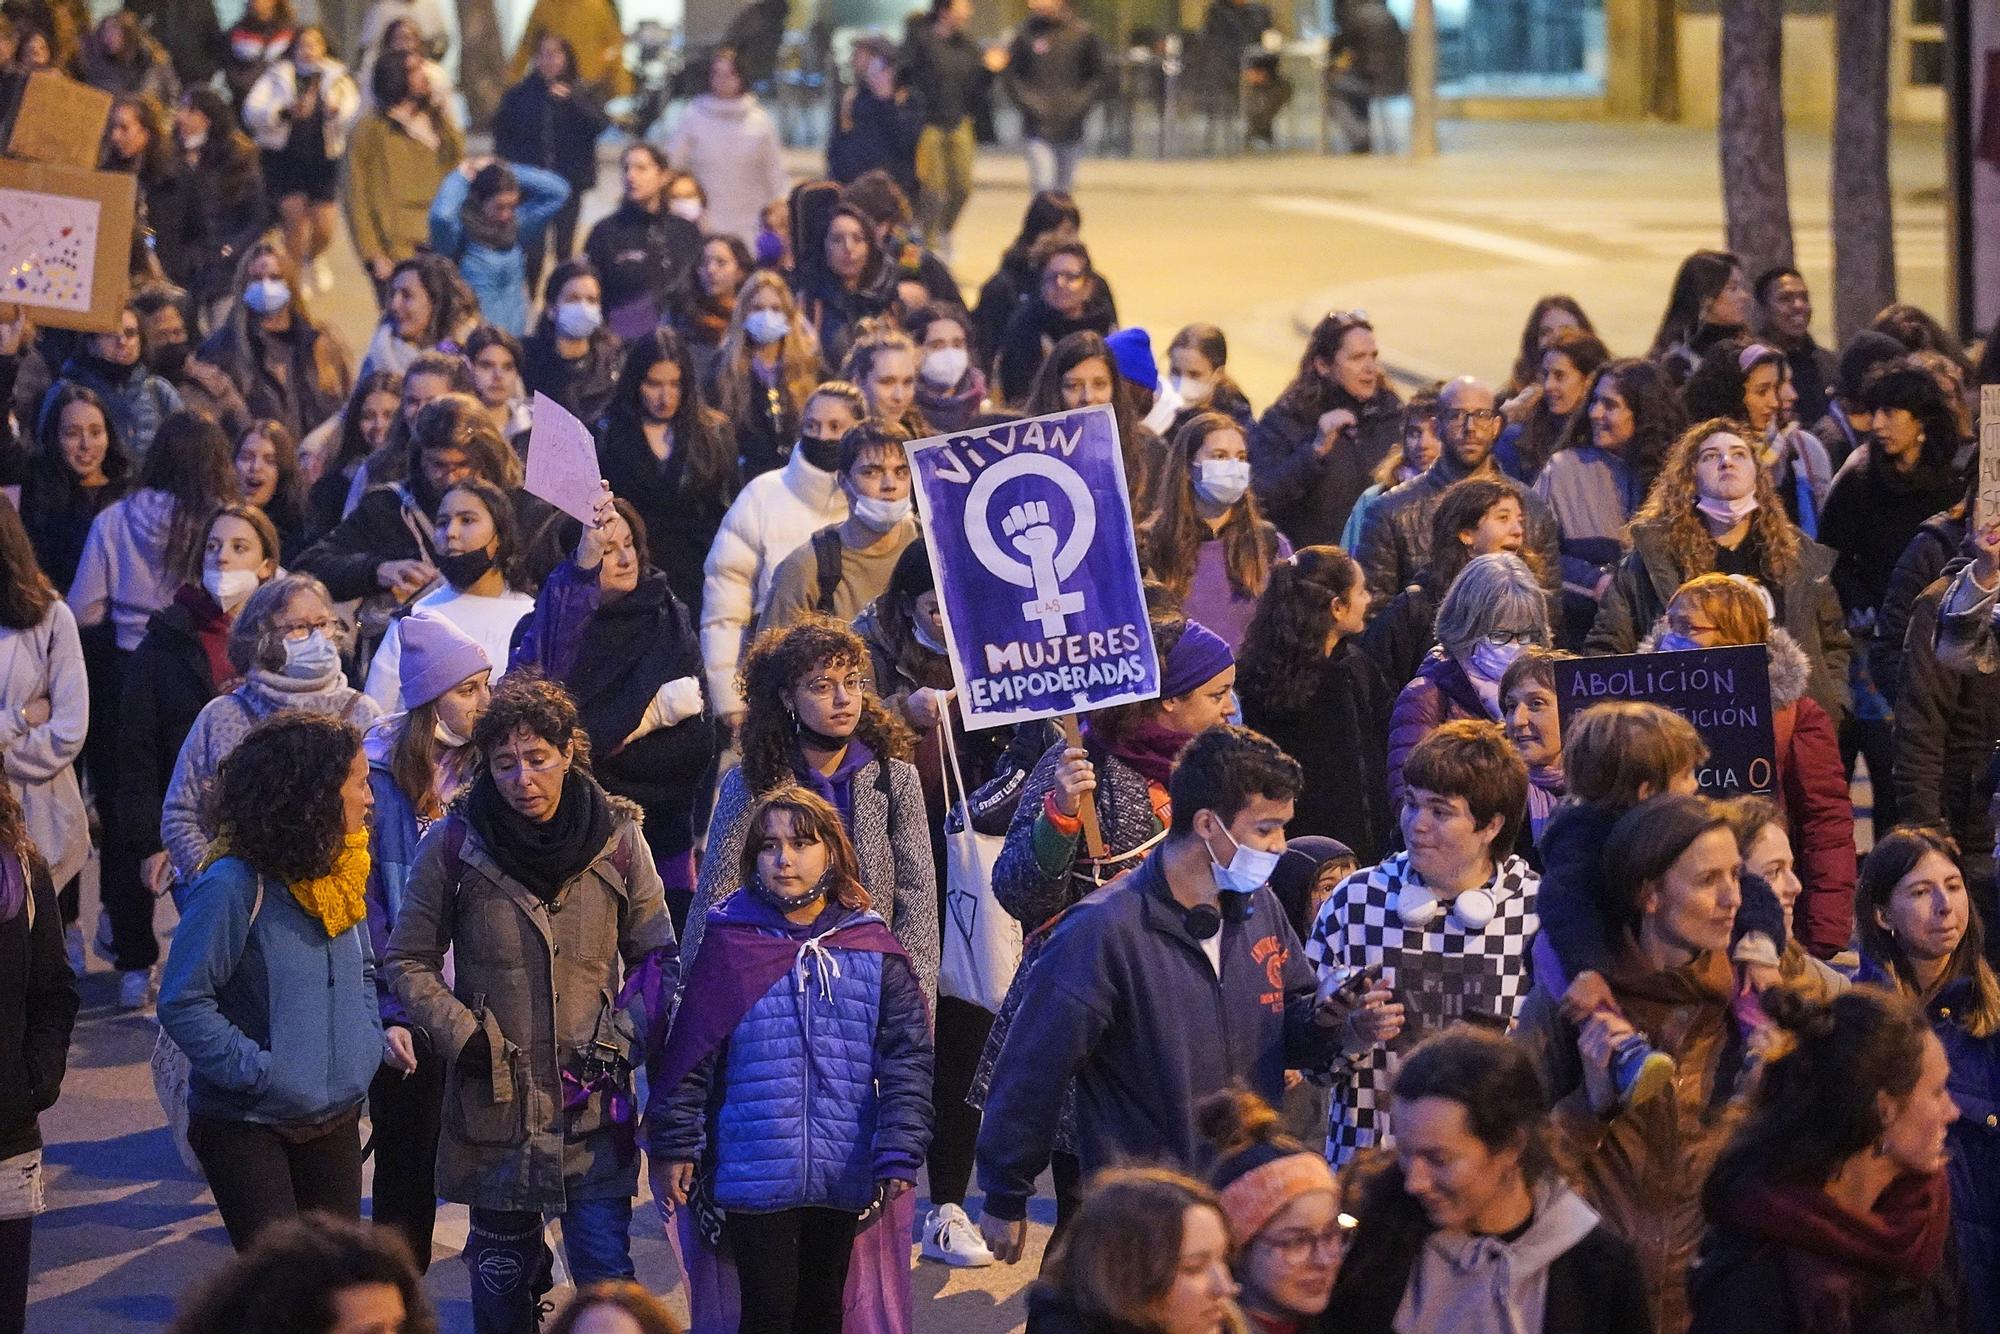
[{"x": 1834, "y": 1257}]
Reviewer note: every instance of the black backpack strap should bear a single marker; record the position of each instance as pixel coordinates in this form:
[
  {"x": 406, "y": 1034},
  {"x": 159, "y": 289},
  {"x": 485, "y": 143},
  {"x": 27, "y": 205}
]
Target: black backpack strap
[{"x": 826, "y": 557}]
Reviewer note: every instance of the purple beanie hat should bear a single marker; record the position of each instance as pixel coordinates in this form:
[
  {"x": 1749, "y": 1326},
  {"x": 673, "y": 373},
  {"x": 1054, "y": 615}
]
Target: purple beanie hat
[{"x": 437, "y": 655}]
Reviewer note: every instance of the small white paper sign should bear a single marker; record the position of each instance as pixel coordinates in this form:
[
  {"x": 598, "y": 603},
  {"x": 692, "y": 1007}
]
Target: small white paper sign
[
  {"x": 562, "y": 461},
  {"x": 1986, "y": 502}
]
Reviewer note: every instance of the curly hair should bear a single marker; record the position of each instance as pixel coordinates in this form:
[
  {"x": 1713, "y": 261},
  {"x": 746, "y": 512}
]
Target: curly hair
[
  {"x": 1657, "y": 416},
  {"x": 1171, "y": 537},
  {"x": 1286, "y": 642},
  {"x": 527, "y": 699},
  {"x": 286, "y": 1283},
  {"x": 1716, "y": 386},
  {"x": 777, "y": 662},
  {"x": 276, "y": 800},
  {"x": 1671, "y": 505}
]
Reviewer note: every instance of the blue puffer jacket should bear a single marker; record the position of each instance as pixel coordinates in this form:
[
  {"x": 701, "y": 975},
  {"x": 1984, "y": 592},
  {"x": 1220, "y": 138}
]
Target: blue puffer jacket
[
  {"x": 392, "y": 851},
  {"x": 499, "y": 278},
  {"x": 822, "y": 1088},
  {"x": 279, "y": 1022}
]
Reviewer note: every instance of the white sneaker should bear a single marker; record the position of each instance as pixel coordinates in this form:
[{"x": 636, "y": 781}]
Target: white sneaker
[
  {"x": 135, "y": 989},
  {"x": 73, "y": 947},
  {"x": 322, "y": 275},
  {"x": 950, "y": 1237}
]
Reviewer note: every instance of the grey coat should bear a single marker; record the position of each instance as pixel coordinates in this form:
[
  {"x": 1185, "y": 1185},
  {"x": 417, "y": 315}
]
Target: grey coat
[
  {"x": 543, "y": 983},
  {"x": 892, "y": 841}
]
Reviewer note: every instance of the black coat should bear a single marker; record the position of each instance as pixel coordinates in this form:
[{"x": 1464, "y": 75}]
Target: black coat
[
  {"x": 391, "y": 523},
  {"x": 1741, "y": 1286},
  {"x": 1056, "y": 71},
  {"x": 1032, "y": 334},
  {"x": 1946, "y": 725},
  {"x": 584, "y": 386},
  {"x": 298, "y": 400},
  {"x": 999, "y": 297},
  {"x": 557, "y": 134},
  {"x": 58, "y": 515},
  {"x": 38, "y": 1007},
  {"x": 190, "y": 31},
  {"x": 1400, "y": 636},
  {"x": 947, "y": 73},
  {"x": 226, "y": 214},
  {"x": 869, "y": 133},
  {"x": 1343, "y": 730},
  {"x": 1870, "y": 515},
  {"x": 639, "y": 254},
  {"x": 681, "y": 522},
  {"x": 1937, "y": 541},
  {"x": 167, "y": 682},
  {"x": 767, "y": 428},
  {"x": 1309, "y": 494}
]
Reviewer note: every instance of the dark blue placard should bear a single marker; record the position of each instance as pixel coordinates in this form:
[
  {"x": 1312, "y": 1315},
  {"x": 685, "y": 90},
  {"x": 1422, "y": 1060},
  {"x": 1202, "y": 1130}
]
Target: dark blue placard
[
  {"x": 1030, "y": 535},
  {"x": 1724, "y": 692}
]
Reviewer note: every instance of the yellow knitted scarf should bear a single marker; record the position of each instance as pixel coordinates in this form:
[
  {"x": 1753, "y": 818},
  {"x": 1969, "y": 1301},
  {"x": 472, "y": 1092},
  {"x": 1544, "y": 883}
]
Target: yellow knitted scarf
[{"x": 337, "y": 899}]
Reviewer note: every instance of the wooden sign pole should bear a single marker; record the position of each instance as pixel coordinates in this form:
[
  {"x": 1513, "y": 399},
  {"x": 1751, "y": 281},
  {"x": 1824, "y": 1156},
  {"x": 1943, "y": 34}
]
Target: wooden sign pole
[{"x": 1086, "y": 809}]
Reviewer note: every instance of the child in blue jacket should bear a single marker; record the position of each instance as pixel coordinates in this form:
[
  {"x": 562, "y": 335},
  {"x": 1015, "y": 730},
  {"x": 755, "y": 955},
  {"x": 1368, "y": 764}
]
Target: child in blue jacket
[{"x": 798, "y": 1071}]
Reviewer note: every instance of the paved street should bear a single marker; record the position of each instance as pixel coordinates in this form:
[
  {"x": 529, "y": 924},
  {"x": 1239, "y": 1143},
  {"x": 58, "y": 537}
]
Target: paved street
[{"x": 1447, "y": 256}]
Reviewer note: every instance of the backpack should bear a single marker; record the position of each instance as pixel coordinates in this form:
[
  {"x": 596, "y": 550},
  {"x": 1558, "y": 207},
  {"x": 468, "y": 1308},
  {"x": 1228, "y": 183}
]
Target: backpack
[
  {"x": 826, "y": 562},
  {"x": 172, "y": 1070}
]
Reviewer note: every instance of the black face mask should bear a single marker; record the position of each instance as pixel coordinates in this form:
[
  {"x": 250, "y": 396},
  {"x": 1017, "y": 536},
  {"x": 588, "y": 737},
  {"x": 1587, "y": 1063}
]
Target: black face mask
[
  {"x": 822, "y": 454},
  {"x": 465, "y": 568},
  {"x": 169, "y": 359}
]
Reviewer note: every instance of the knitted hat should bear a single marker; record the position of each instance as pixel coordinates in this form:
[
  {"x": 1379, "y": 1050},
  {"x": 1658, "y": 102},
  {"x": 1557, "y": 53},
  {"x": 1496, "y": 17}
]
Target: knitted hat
[
  {"x": 437, "y": 655},
  {"x": 1132, "y": 349},
  {"x": 1196, "y": 656},
  {"x": 1259, "y": 1169},
  {"x": 1863, "y": 353}
]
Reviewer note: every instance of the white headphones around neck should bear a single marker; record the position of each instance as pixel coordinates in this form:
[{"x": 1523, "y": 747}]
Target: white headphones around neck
[{"x": 1418, "y": 906}]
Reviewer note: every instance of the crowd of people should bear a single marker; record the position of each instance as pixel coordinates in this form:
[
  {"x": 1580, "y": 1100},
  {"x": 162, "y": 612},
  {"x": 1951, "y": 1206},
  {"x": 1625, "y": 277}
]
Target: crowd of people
[{"x": 1364, "y": 984}]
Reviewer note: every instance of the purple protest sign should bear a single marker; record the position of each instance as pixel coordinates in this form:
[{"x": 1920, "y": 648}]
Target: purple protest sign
[{"x": 1030, "y": 535}]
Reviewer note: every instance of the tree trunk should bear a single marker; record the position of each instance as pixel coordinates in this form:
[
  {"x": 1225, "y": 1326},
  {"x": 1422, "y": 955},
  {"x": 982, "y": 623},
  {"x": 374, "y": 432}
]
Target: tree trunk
[
  {"x": 1864, "y": 233},
  {"x": 482, "y": 61},
  {"x": 1423, "y": 80},
  {"x": 1755, "y": 192}
]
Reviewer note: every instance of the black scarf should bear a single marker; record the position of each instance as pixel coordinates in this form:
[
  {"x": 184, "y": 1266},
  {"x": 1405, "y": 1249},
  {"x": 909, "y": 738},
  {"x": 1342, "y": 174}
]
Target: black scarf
[
  {"x": 496, "y": 236},
  {"x": 543, "y": 857}
]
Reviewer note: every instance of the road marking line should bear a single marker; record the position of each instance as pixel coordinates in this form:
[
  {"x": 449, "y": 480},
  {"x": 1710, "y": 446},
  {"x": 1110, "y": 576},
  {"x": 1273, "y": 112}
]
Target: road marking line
[{"x": 1450, "y": 233}]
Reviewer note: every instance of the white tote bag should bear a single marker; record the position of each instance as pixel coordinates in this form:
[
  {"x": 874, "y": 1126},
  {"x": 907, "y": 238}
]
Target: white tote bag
[{"x": 982, "y": 941}]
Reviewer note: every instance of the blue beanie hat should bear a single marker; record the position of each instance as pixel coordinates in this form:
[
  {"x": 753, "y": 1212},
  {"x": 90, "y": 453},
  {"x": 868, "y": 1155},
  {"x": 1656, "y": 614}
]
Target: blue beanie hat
[
  {"x": 437, "y": 655},
  {"x": 1132, "y": 349}
]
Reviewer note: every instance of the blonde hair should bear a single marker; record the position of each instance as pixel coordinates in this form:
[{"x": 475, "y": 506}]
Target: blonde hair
[{"x": 1731, "y": 603}]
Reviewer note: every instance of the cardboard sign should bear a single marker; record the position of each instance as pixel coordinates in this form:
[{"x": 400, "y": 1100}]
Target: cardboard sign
[
  {"x": 1724, "y": 692},
  {"x": 66, "y": 243},
  {"x": 1986, "y": 507},
  {"x": 60, "y": 121},
  {"x": 562, "y": 461},
  {"x": 1030, "y": 535}
]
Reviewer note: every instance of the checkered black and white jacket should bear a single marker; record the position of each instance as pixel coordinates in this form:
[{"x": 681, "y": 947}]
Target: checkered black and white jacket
[{"x": 1440, "y": 973}]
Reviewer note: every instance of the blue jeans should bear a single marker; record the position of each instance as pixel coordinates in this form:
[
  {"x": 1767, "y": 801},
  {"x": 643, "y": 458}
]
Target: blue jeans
[
  {"x": 510, "y": 1261},
  {"x": 1051, "y": 166}
]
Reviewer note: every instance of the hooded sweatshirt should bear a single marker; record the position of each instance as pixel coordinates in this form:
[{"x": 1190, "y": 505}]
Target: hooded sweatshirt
[
  {"x": 1464, "y": 1283},
  {"x": 730, "y": 145},
  {"x": 123, "y": 571}
]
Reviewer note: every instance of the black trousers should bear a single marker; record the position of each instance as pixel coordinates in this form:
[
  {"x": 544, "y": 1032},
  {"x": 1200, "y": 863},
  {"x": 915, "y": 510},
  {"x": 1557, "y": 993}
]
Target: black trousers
[
  {"x": 260, "y": 1178},
  {"x": 562, "y": 231},
  {"x": 16, "y": 1241},
  {"x": 405, "y": 1114},
  {"x": 961, "y": 1036},
  {"x": 1874, "y": 739},
  {"x": 792, "y": 1268},
  {"x": 127, "y": 901}
]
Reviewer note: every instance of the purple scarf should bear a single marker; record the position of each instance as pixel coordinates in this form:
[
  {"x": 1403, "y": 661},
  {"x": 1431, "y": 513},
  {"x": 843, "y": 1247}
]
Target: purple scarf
[
  {"x": 838, "y": 786},
  {"x": 1151, "y": 748}
]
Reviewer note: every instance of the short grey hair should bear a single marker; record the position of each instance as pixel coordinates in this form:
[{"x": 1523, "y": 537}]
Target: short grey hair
[
  {"x": 254, "y": 640},
  {"x": 1495, "y": 592}
]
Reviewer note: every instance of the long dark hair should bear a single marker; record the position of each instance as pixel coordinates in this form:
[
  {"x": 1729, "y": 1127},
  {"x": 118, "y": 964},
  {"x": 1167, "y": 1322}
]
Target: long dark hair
[
  {"x": 51, "y": 482},
  {"x": 228, "y": 162},
  {"x": 1894, "y": 856},
  {"x": 1311, "y": 393},
  {"x": 351, "y": 446},
  {"x": 1528, "y": 360},
  {"x": 276, "y": 800},
  {"x": 1464, "y": 505},
  {"x": 1915, "y": 392},
  {"x": 192, "y": 461},
  {"x": 1170, "y": 539},
  {"x": 1046, "y": 396},
  {"x": 1279, "y": 665},
  {"x": 1657, "y": 418},
  {"x": 288, "y": 1280},
  {"x": 709, "y": 466},
  {"x": 156, "y": 162},
  {"x": 777, "y": 660},
  {"x": 1716, "y": 385},
  {"x": 288, "y": 502},
  {"x": 453, "y": 303},
  {"x": 25, "y": 592},
  {"x": 1699, "y": 280},
  {"x": 1046, "y": 212},
  {"x": 1545, "y": 432}
]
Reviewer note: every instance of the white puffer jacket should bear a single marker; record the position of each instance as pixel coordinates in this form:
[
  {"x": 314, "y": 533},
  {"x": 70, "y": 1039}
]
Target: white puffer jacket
[{"x": 277, "y": 91}]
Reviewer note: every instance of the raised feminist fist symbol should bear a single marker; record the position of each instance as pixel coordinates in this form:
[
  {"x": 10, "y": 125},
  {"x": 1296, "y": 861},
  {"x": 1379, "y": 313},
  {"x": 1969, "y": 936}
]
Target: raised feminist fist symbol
[{"x": 1035, "y": 538}]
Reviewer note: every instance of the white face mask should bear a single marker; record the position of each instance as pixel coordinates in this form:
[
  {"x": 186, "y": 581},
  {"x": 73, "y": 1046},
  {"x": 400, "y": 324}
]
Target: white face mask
[
  {"x": 1248, "y": 869},
  {"x": 766, "y": 326},
  {"x": 578, "y": 319},
  {"x": 267, "y": 296},
  {"x": 880, "y": 515},
  {"x": 446, "y": 737},
  {"x": 685, "y": 208},
  {"x": 1222, "y": 481},
  {"x": 1731, "y": 512},
  {"x": 945, "y": 367},
  {"x": 1192, "y": 392},
  {"x": 229, "y": 587}
]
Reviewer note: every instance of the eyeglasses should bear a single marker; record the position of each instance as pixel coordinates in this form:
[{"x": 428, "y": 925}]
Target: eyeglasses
[
  {"x": 1681, "y": 625},
  {"x": 822, "y": 687},
  {"x": 1355, "y": 316},
  {"x": 1502, "y": 638},
  {"x": 301, "y": 629},
  {"x": 1064, "y": 277},
  {"x": 1298, "y": 1244},
  {"x": 1474, "y": 417}
]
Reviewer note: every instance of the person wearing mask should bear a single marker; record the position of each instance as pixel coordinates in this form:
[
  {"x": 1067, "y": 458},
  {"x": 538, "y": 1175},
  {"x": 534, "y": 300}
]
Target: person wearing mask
[
  {"x": 1745, "y": 381},
  {"x": 286, "y": 364},
  {"x": 420, "y": 759},
  {"x": 644, "y": 248},
  {"x": 360, "y": 429},
  {"x": 774, "y": 515},
  {"x": 1174, "y": 1226},
  {"x": 1479, "y": 516},
  {"x": 46, "y": 696},
  {"x": 763, "y": 371},
  {"x": 571, "y": 356},
  {"x": 1194, "y": 955},
  {"x": 1082, "y": 372},
  {"x": 1494, "y": 609},
  {"x": 270, "y": 986},
  {"x": 1709, "y": 300},
  {"x": 1596, "y": 482},
  {"x": 803, "y": 988},
  {"x": 1567, "y": 363},
  {"x": 700, "y": 308},
  {"x": 37, "y": 1013},
  {"x": 1311, "y": 450},
  {"x": 78, "y": 469},
  {"x": 166, "y": 324},
  {"x": 285, "y": 642},
  {"x": 671, "y": 458},
  {"x": 1846, "y": 424},
  {"x": 841, "y": 569},
  {"x": 1923, "y": 937},
  {"x": 267, "y": 476},
  {"x": 428, "y": 308},
  {"x": 1055, "y": 73},
  {"x": 728, "y": 142},
  {"x": 1472, "y": 1228},
  {"x": 398, "y": 157},
  {"x": 844, "y": 277},
  {"x": 479, "y": 558},
  {"x": 495, "y": 357},
  {"x": 262, "y": 36},
  {"x": 1045, "y": 868},
  {"x": 951, "y": 389},
  {"x": 1831, "y": 1207},
  {"x": 1785, "y": 311},
  {"x": 307, "y": 1270},
  {"x": 552, "y": 121},
  {"x": 1198, "y": 380},
  {"x": 553, "y": 1006},
  {"x": 227, "y": 204},
  {"x": 110, "y": 366},
  {"x": 1670, "y": 882},
  {"x": 1069, "y": 297},
  {"x": 182, "y": 663},
  {"x": 121, "y": 58},
  {"x": 300, "y": 111},
  {"x": 1205, "y": 541},
  {"x": 1306, "y": 684},
  {"x": 485, "y": 215},
  {"x": 1713, "y": 507},
  {"x": 1283, "y": 1208},
  {"x": 946, "y": 71},
  {"x": 608, "y": 626}
]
